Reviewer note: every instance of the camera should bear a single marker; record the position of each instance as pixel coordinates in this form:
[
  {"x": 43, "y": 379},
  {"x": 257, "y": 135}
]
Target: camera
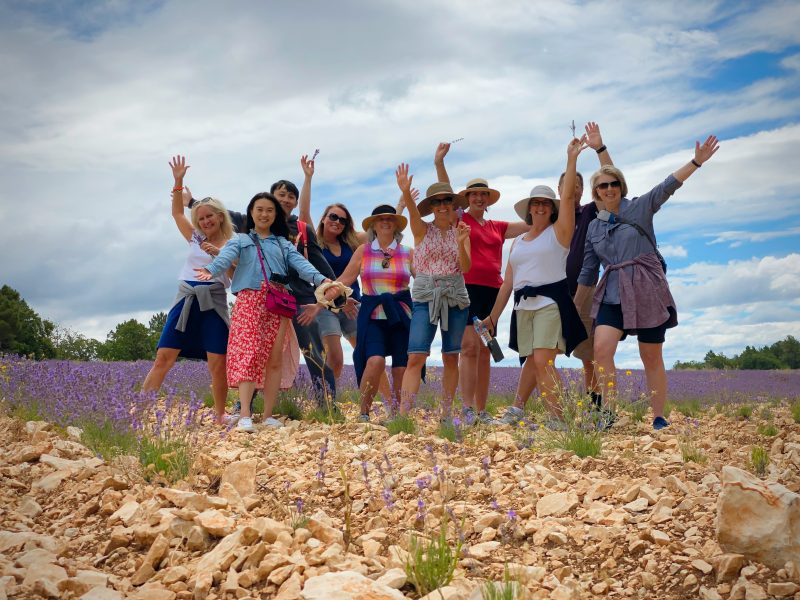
[{"x": 279, "y": 279}]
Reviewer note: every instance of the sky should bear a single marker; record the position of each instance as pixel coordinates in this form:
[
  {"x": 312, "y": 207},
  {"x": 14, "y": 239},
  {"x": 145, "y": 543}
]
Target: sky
[{"x": 99, "y": 95}]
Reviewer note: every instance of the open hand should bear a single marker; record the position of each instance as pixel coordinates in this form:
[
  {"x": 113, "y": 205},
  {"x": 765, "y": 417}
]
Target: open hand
[
  {"x": 179, "y": 167},
  {"x": 186, "y": 195},
  {"x": 350, "y": 308},
  {"x": 403, "y": 178},
  {"x": 203, "y": 274},
  {"x": 308, "y": 313},
  {"x": 593, "y": 137},
  {"x": 704, "y": 151}
]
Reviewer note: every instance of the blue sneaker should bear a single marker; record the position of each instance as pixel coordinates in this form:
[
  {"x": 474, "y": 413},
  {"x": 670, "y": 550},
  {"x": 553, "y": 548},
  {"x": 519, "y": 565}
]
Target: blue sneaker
[{"x": 660, "y": 423}]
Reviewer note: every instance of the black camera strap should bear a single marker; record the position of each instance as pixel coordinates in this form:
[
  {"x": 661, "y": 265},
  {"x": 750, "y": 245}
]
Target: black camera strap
[{"x": 263, "y": 257}]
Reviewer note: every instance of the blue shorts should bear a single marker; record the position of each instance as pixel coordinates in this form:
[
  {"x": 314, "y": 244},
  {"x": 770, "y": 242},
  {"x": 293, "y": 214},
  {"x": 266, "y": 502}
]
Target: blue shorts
[
  {"x": 611, "y": 315},
  {"x": 382, "y": 339},
  {"x": 423, "y": 331}
]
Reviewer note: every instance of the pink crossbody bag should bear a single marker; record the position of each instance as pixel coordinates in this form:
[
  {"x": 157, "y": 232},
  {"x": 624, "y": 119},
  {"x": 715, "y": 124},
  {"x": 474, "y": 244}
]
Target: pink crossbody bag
[{"x": 278, "y": 300}]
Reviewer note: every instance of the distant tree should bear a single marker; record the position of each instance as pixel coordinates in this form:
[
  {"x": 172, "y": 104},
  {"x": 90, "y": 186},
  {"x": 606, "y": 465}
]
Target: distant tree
[
  {"x": 788, "y": 352},
  {"x": 22, "y": 331},
  {"x": 762, "y": 360},
  {"x": 70, "y": 345},
  {"x": 130, "y": 340},
  {"x": 155, "y": 326},
  {"x": 784, "y": 354}
]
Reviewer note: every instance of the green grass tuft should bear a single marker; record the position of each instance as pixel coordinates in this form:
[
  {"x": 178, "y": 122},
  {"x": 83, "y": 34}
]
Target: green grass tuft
[
  {"x": 759, "y": 460},
  {"x": 430, "y": 564},
  {"x": 401, "y": 424}
]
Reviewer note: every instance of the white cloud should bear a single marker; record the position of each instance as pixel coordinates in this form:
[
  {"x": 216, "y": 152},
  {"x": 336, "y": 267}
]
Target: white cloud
[
  {"x": 669, "y": 251},
  {"x": 737, "y": 238}
]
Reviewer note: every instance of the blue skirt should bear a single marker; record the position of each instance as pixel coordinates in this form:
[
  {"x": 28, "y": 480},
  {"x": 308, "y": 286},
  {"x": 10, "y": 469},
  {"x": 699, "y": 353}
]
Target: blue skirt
[{"x": 205, "y": 330}]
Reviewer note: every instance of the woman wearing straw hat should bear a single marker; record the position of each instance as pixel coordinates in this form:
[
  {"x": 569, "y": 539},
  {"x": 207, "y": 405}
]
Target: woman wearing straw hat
[
  {"x": 483, "y": 282},
  {"x": 441, "y": 257},
  {"x": 545, "y": 320},
  {"x": 632, "y": 296},
  {"x": 384, "y": 319}
]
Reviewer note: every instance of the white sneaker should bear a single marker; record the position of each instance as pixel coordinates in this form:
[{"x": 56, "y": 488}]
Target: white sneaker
[
  {"x": 231, "y": 420},
  {"x": 272, "y": 422},
  {"x": 246, "y": 424}
]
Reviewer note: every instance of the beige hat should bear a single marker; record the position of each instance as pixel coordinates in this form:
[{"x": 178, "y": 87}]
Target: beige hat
[
  {"x": 440, "y": 190},
  {"x": 539, "y": 191},
  {"x": 480, "y": 185},
  {"x": 383, "y": 210}
]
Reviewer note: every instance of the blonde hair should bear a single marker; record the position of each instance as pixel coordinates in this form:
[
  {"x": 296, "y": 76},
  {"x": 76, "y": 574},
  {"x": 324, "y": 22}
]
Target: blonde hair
[
  {"x": 226, "y": 228},
  {"x": 614, "y": 172},
  {"x": 348, "y": 235}
]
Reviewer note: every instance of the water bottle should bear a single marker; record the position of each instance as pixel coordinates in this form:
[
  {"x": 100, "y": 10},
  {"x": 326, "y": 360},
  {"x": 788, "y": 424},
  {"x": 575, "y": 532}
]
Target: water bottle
[{"x": 488, "y": 340}]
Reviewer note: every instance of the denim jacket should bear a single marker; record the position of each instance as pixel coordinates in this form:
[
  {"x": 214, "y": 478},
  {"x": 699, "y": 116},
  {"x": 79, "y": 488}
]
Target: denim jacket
[{"x": 279, "y": 254}]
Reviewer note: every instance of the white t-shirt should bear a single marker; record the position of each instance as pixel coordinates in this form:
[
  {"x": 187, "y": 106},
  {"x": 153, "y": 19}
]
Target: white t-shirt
[
  {"x": 197, "y": 259},
  {"x": 537, "y": 262}
]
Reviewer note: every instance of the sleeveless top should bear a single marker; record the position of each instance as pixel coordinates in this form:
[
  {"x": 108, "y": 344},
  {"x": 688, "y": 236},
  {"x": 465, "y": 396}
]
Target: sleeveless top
[
  {"x": 376, "y": 280},
  {"x": 437, "y": 254},
  {"x": 339, "y": 264},
  {"x": 537, "y": 262},
  {"x": 198, "y": 259}
]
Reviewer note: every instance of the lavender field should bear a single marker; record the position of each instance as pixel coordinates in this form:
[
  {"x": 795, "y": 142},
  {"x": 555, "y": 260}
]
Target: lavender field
[{"x": 75, "y": 392}]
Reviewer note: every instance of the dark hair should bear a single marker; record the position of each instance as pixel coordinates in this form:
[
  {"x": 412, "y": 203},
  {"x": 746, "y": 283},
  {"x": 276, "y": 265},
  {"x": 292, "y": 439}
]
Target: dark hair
[
  {"x": 283, "y": 183},
  {"x": 564, "y": 174},
  {"x": 553, "y": 215},
  {"x": 279, "y": 226}
]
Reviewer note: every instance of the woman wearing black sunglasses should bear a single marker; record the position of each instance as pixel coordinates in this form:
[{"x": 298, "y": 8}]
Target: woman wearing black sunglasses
[{"x": 632, "y": 296}]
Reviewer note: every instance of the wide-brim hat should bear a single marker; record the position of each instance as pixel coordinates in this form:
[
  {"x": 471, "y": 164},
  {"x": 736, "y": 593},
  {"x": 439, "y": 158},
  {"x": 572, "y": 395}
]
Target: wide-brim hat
[
  {"x": 384, "y": 209},
  {"x": 480, "y": 185},
  {"x": 539, "y": 191},
  {"x": 440, "y": 190}
]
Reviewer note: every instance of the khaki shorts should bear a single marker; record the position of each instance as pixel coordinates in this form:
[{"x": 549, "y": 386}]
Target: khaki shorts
[
  {"x": 585, "y": 350},
  {"x": 539, "y": 329}
]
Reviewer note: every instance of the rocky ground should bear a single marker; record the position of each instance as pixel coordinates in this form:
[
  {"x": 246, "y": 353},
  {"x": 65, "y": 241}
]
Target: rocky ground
[{"x": 312, "y": 511}]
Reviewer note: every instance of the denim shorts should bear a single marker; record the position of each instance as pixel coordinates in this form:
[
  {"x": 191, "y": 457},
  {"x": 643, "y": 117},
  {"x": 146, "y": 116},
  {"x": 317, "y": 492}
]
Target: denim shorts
[
  {"x": 423, "y": 331},
  {"x": 331, "y": 323}
]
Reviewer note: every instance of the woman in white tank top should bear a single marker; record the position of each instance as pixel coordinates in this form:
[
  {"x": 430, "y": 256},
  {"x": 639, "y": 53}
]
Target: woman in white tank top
[{"x": 538, "y": 259}]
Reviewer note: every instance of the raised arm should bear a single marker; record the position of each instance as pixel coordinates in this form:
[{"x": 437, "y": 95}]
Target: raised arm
[
  {"x": 353, "y": 268},
  {"x": 702, "y": 152},
  {"x": 438, "y": 161},
  {"x": 464, "y": 246},
  {"x": 595, "y": 141},
  {"x": 401, "y": 204},
  {"x": 565, "y": 224},
  {"x": 418, "y": 226},
  {"x": 516, "y": 229},
  {"x": 179, "y": 168},
  {"x": 304, "y": 202}
]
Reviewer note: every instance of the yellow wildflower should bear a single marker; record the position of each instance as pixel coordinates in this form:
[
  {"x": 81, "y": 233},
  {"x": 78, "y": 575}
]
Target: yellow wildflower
[
  {"x": 628, "y": 373},
  {"x": 610, "y": 384},
  {"x": 601, "y": 369},
  {"x": 521, "y": 423}
]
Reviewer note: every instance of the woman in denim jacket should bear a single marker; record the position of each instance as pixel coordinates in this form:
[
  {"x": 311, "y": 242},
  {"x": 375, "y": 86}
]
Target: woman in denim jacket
[{"x": 255, "y": 331}]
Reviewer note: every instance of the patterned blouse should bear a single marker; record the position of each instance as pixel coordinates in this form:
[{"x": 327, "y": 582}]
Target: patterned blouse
[
  {"x": 438, "y": 252},
  {"x": 395, "y": 277}
]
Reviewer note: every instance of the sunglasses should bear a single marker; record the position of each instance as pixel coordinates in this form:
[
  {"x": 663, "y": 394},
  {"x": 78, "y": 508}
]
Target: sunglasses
[
  {"x": 387, "y": 259},
  {"x": 337, "y": 219},
  {"x": 541, "y": 203},
  {"x": 205, "y": 200},
  {"x": 608, "y": 184},
  {"x": 437, "y": 201}
]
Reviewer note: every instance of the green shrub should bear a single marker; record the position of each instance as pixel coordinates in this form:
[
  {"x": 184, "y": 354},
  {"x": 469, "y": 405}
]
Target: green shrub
[
  {"x": 583, "y": 442},
  {"x": 171, "y": 459},
  {"x": 759, "y": 460},
  {"x": 430, "y": 564},
  {"x": 768, "y": 430},
  {"x": 796, "y": 411},
  {"x": 288, "y": 406},
  {"x": 325, "y": 414},
  {"x": 744, "y": 412},
  {"x": 689, "y": 408},
  {"x": 401, "y": 424},
  {"x": 105, "y": 441}
]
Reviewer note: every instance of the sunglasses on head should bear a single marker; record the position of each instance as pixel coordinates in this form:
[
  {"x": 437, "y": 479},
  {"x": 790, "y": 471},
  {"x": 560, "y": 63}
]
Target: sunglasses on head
[
  {"x": 607, "y": 184},
  {"x": 337, "y": 219},
  {"x": 445, "y": 201},
  {"x": 205, "y": 200}
]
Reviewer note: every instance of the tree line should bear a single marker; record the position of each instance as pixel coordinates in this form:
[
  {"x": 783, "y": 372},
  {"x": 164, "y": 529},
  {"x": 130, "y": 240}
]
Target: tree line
[
  {"x": 784, "y": 354},
  {"x": 24, "y": 332}
]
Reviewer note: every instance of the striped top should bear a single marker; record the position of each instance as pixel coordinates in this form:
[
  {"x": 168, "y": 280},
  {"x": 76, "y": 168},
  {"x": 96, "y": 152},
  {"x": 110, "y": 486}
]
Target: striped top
[
  {"x": 437, "y": 254},
  {"x": 376, "y": 280}
]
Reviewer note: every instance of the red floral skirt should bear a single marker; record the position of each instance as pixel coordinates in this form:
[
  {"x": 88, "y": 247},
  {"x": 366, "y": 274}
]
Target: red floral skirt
[{"x": 252, "y": 336}]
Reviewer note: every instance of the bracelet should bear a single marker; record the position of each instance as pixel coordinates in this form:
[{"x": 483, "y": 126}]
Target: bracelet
[
  {"x": 696, "y": 164},
  {"x": 177, "y": 189},
  {"x": 601, "y": 149}
]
